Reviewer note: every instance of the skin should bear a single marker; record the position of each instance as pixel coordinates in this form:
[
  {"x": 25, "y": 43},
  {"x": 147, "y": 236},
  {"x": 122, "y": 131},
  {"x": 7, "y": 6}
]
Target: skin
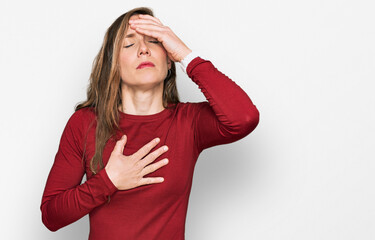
[{"x": 142, "y": 91}]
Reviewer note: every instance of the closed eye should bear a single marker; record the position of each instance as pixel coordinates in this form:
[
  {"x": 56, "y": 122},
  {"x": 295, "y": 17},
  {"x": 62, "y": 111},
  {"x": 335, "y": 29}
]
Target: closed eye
[{"x": 133, "y": 44}]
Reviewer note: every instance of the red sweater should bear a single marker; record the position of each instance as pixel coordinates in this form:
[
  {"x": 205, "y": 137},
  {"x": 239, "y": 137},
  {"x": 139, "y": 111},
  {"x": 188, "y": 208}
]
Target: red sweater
[{"x": 156, "y": 211}]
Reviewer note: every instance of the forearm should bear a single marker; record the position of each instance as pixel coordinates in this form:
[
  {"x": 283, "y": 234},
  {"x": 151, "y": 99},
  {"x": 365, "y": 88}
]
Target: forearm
[
  {"x": 61, "y": 207},
  {"x": 232, "y": 106}
]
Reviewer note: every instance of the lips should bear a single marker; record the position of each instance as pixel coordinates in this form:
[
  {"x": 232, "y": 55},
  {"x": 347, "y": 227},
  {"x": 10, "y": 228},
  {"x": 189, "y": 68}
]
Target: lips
[{"x": 145, "y": 64}]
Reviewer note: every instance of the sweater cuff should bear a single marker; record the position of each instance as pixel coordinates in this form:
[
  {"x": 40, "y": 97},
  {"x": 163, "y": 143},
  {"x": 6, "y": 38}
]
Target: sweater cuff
[
  {"x": 188, "y": 58},
  {"x": 110, "y": 187},
  {"x": 193, "y": 64}
]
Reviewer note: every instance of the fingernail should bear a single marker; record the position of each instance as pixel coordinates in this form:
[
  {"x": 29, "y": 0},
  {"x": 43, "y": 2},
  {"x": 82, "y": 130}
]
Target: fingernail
[
  {"x": 157, "y": 140},
  {"x": 165, "y": 148}
]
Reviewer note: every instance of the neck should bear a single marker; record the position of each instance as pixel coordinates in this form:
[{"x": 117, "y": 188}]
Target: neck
[{"x": 138, "y": 101}]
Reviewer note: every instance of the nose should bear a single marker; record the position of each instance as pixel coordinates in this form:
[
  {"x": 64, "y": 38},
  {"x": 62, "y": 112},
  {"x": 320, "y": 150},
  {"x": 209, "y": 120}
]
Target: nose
[{"x": 143, "y": 49}]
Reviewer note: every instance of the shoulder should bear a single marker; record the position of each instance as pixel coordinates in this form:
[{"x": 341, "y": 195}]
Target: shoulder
[
  {"x": 82, "y": 114},
  {"x": 191, "y": 108},
  {"x": 81, "y": 118}
]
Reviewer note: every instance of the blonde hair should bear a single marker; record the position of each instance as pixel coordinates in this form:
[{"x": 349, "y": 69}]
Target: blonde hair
[{"x": 104, "y": 90}]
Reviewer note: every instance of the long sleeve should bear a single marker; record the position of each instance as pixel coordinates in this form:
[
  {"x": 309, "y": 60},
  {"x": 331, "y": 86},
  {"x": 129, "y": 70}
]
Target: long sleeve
[
  {"x": 64, "y": 200},
  {"x": 229, "y": 114},
  {"x": 187, "y": 59}
]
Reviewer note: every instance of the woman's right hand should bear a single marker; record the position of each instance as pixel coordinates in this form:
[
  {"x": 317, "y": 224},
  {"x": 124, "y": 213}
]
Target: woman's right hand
[{"x": 126, "y": 172}]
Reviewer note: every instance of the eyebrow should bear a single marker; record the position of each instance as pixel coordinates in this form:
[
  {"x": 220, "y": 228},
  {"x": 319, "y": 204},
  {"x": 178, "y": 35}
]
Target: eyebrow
[{"x": 130, "y": 35}]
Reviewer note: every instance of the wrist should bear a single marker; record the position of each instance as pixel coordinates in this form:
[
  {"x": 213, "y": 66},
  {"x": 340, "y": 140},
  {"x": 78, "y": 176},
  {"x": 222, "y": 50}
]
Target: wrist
[
  {"x": 111, "y": 176},
  {"x": 187, "y": 59},
  {"x": 184, "y": 54}
]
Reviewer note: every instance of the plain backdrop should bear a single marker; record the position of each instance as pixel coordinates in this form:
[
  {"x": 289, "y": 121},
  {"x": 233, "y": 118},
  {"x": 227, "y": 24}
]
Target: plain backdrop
[{"x": 307, "y": 170}]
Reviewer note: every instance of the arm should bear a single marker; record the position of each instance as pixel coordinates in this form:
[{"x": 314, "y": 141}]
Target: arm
[
  {"x": 229, "y": 114},
  {"x": 64, "y": 200}
]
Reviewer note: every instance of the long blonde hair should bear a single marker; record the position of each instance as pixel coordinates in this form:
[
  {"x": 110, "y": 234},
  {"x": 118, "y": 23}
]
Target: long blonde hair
[{"x": 104, "y": 90}]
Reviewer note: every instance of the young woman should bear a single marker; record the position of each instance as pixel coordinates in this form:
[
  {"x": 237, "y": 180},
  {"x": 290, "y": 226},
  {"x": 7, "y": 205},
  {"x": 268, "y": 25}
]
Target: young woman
[{"x": 136, "y": 188}]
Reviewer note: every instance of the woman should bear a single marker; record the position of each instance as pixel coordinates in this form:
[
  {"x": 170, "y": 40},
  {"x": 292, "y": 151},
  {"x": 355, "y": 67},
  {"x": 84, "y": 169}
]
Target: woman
[{"x": 135, "y": 188}]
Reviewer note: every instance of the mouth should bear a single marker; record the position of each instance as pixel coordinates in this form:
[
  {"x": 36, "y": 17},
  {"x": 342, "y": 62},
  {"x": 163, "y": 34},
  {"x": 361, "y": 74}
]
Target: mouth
[{"x": 145, "y": 64}]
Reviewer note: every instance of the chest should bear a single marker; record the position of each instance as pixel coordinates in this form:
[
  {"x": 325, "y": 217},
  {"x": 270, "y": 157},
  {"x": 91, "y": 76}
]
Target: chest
[{"x": 182, "y": 156}]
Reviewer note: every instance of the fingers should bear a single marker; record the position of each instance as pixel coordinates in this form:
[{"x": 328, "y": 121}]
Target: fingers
[
  {"x": 120, "y": 144},
  {"x": 143, "y": 151},
  {"x": 153, "y": 167},
  {"x": 152, "y": 156},
  {"x": 154, "y": 31},
  {"x": 146, "y": 16},
  {"x": 144, "y": 21},
  {"x": 147, "y": 25},
  {"x": 151, "y": 180}
]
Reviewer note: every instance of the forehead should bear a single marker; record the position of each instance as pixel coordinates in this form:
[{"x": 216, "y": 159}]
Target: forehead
[
  {"x": 134, "y": 17},
  {"x": 130, "y": 30}
]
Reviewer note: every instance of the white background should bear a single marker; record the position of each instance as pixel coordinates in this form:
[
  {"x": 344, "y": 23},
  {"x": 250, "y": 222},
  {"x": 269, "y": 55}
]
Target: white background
[{"x": 306, "y": 172}]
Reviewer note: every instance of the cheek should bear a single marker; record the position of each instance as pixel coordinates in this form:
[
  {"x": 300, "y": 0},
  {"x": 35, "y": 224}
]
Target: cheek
[
  {"x": 125, "y": 61},
  {"x": 162, "y": 55},
  {"x": 163, "y": 52},
  {"x": 125, "y": 67}
]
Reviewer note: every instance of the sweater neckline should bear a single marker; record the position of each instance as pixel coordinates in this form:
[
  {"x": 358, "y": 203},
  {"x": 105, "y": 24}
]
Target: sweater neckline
[{"x": 162, "y": 114}]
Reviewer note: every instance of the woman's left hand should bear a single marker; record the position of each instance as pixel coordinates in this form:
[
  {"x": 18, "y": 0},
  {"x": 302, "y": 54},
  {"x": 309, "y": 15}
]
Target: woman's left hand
[{"x": 151, "y": 26}]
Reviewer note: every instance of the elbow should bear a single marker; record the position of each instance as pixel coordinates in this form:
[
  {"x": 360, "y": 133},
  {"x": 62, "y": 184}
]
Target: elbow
[
  {"x": 253, "y": 120},
  {"x": 250, "y": 122},
  {"x": 243, "y": 126},
  {"x": 49, "y": 225}
]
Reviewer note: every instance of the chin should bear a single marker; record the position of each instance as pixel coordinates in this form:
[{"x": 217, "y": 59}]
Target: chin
[{"x": 149, "y": 79}]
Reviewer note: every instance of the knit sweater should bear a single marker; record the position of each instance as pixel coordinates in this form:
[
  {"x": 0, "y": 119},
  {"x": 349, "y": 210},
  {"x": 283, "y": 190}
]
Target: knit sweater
[{"x": 156, "y": 211}]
